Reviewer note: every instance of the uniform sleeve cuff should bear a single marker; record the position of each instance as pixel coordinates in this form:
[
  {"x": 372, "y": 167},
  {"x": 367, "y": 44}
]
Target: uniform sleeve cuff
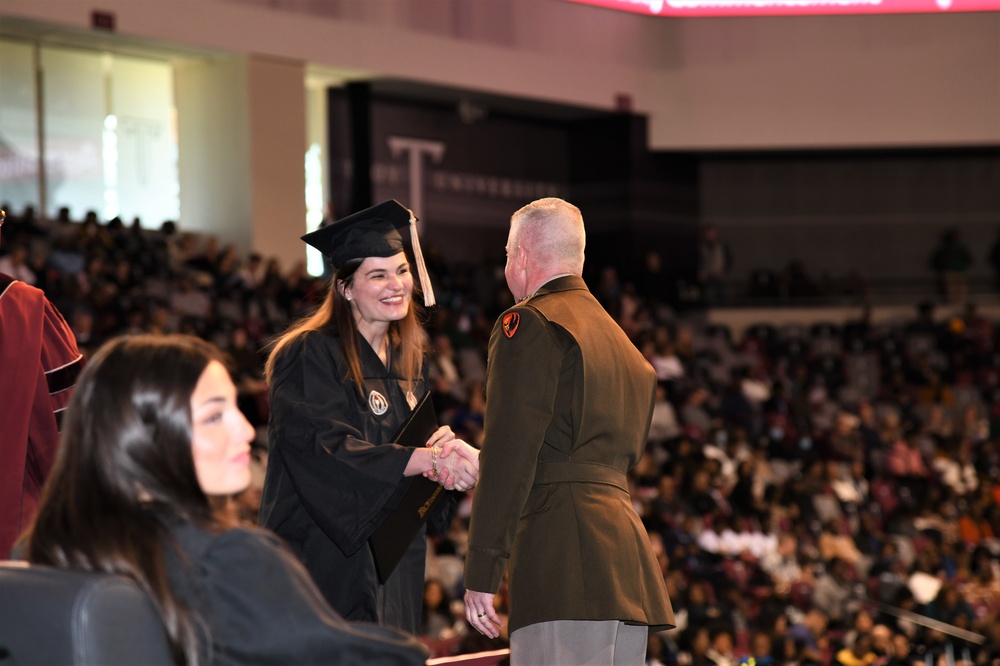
[{"x": 484, "y": 568}]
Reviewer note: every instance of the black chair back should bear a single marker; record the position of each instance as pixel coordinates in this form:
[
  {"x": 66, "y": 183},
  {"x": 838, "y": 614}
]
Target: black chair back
[{"x": 53, "y": 617}]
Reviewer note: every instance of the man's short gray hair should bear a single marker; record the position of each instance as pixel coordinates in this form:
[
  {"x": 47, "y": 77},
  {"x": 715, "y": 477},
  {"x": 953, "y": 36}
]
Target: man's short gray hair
[{"x": 552, "y": 229}]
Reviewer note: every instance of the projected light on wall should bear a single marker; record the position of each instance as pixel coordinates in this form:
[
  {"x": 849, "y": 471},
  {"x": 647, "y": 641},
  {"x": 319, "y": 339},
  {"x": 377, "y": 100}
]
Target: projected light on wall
[
  {"x": 314, "y": 204},
  {"x": 109, "y": 161},
  {"x": 677, "y": 8}
]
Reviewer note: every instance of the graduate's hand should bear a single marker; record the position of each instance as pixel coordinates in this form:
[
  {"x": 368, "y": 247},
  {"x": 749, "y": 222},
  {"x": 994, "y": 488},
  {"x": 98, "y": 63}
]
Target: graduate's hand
[
  {"x": 424, "y": 461},
  {"x": 441, "y": 436},
  {"x": 458, "y": 466},
  {"x": 437, "y": 440},
  {"x": 481, "y": 614}
]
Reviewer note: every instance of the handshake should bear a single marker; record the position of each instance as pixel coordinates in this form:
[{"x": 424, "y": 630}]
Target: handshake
[{"x": 454, "y": 463}]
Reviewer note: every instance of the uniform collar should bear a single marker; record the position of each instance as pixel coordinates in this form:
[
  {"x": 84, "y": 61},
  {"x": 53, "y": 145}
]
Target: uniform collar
[{"x": 560, "y": 283}]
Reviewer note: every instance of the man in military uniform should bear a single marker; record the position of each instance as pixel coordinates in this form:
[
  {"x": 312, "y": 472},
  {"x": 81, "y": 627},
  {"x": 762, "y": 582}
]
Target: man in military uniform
[{"x": 569, "y": 401}]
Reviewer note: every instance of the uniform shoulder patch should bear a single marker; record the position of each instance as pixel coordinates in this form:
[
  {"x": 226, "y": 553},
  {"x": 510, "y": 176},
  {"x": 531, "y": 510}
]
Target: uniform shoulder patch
[{"x": 510, "y": 322}]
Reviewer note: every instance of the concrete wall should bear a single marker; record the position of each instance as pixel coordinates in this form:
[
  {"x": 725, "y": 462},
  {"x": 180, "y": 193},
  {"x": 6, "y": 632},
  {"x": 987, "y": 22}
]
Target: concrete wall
[
  {"x": 213, "y": 129},
  {"x": 277, "y": 99},
  {"x": 894, "y": 80},
  {"x": 241, "y": 142},
  {"x": 813, "y": 82}
]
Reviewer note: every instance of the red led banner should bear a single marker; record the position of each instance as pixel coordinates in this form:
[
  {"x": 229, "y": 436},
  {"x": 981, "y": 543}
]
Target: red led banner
[{"x": 792, "y": 7}]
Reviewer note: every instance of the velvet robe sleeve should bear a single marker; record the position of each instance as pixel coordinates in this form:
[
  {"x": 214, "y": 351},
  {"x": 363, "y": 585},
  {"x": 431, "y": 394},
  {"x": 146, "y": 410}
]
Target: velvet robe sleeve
[
  {"x": 39, "y": 363},
  {"x": 345, "y": 483}
]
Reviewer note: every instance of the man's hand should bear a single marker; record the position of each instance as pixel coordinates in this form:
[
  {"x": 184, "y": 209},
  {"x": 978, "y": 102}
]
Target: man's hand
[
  {"x": 458, "y": 474},
  {"x": 481, "y": 614}
]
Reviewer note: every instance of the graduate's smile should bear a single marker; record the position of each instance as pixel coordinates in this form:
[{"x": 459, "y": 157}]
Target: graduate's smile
[{"x": 381, "y": 289}]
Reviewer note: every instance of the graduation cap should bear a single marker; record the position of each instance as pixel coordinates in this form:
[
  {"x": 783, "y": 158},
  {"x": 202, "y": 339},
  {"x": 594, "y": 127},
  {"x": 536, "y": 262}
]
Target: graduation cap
[{"x": 372, "y": 232}]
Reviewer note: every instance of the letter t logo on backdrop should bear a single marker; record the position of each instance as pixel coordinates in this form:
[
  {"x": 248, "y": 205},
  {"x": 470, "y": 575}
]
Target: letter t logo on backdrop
[{"x": 417, "y": 148}]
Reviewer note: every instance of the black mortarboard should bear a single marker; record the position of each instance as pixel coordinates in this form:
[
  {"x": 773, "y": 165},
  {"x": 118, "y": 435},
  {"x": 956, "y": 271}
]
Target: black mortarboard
[{"x": 372, "y": 232}]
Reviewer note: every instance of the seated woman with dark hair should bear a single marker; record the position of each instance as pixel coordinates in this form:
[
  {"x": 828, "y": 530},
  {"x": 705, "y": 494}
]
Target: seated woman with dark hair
[{"x": 152, "y": 432}]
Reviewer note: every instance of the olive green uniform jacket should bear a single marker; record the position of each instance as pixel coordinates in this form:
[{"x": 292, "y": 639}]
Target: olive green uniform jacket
[{"x": 569, "y": 400}]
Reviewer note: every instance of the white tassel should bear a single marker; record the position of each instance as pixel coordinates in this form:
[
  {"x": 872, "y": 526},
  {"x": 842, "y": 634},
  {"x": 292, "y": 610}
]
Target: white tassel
[{"x": 418, "y": 256}]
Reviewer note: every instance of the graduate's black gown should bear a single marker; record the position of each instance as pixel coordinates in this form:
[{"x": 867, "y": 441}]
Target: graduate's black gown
[{"x": 333, "y": 474}]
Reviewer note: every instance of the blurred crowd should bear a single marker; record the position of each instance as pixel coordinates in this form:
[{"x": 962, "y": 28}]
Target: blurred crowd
[{"x": 817, "y": 494}]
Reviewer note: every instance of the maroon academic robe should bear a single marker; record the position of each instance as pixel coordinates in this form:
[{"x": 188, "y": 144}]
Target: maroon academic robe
[{"x": 39, "y": 364}]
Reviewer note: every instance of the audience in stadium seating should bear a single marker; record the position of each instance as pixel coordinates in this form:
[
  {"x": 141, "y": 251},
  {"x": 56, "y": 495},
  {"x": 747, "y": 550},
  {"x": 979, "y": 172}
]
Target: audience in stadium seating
[{"x": 808, "y": 487}]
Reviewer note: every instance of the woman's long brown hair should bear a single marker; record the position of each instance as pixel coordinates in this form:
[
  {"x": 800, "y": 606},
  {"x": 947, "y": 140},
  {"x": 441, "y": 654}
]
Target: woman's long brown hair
[{"x": 406, "y": 336}]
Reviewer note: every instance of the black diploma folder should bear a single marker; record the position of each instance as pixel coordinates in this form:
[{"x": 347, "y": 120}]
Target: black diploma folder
[{"x": 390, "y": 540}]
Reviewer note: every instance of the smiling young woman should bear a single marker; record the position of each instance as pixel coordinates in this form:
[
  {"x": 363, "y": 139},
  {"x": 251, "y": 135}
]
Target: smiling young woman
[
  {"x": 343, "y": 381},
  {"x": 379, "y": 293}
]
